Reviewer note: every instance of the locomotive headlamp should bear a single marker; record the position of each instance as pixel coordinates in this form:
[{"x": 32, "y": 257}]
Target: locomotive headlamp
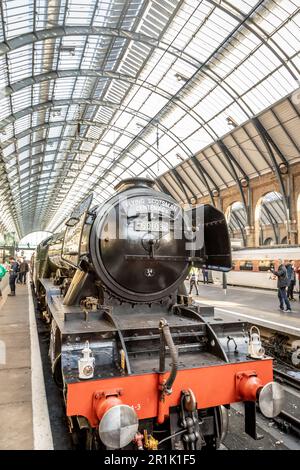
[
  {"x": 86, "y": 363},
  {"x": 118, "y": 426}
]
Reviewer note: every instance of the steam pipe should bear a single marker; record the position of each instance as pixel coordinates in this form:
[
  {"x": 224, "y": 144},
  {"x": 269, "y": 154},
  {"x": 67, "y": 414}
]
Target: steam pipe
[
  {"x": 75, "y": 286},
  {"x": 167, "y": 388}
]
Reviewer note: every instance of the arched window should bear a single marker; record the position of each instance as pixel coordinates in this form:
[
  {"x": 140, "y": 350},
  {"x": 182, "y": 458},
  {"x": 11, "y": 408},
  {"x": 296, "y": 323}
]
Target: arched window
[
  {"x": 237, "y": 220},
  {"x": 272, "y": 219},
  {"x": 269, "y": 241},
  {"x": 27, "y": 244},
  {"x": 33, "y": 239}
]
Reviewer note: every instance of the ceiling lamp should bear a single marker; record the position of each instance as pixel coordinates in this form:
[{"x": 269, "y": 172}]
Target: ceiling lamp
[
  {"x": 56, "y": 112},
  {"x": 231, "y": 122},
  {"x": 244, "y": 182},
  {"x": 180, "y": 77},
  {"x": 283, "y": 168},
  {"x": 67, "y": 49}
]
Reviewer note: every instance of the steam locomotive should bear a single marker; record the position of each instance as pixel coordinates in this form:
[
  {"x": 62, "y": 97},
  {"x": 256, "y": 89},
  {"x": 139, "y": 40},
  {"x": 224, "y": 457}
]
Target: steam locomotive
[{"x": 139, "y": 364}]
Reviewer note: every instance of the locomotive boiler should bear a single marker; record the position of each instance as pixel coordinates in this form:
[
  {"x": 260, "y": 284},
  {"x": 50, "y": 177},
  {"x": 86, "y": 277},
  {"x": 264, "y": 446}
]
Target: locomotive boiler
[{"x": 139, "y": 365}]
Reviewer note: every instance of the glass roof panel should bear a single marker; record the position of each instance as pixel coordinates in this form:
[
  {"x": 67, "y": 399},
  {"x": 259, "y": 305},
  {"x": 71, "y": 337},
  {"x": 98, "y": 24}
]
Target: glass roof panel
[{"x": 179, "y": 74}]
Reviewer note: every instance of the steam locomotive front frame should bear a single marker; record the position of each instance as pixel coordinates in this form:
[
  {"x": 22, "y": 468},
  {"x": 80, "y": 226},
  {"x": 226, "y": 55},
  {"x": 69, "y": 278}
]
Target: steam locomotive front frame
[{"x": 126, "y": 347}]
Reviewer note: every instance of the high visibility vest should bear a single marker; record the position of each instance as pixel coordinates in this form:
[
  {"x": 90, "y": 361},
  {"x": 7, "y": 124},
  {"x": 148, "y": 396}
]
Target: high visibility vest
[{"x": 3, "y": 271}]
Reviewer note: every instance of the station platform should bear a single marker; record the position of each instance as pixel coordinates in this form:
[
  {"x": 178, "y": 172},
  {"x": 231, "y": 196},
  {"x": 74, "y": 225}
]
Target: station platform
[
  {"x": 24, "y": 424},
  {"x": 257, "y": 306}
]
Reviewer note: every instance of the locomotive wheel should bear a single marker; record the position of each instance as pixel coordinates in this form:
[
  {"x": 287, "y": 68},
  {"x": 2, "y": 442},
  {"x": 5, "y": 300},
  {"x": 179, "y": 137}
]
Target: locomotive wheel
[
  {"x": 91, "y": 440},
  {"x": 57, "y": 375},
  {"x": 82, "y": 435},
  {"x": 222, "y": 420},
  {"x": 223, "y": 417},
  {"x": 85, "y": 439}
]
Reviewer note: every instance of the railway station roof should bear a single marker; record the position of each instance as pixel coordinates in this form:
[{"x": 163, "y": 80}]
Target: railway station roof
[{"x": 196, "y": 94}]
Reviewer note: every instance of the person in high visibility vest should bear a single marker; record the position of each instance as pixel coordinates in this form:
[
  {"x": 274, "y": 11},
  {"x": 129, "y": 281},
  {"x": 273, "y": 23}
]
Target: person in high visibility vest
[
  {"x": 3, "y": 271},
  {"x": 193, "y": 282}
]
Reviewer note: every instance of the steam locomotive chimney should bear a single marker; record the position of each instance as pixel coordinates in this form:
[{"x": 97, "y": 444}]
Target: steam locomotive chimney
[{"x": 129, "y": 183}]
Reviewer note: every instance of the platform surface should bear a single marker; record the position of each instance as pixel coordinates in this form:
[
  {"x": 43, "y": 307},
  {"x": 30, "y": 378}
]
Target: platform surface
[
  {"x": 15, "y": 373},
  {"x": 252, "y": 305},
  {"x": 23, "y": 410}
]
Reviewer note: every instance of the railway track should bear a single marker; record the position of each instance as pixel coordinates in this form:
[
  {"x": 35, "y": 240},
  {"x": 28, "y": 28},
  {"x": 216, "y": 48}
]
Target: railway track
[
  {"x": 289, "y": 423},
  {"x": 284, "y": 378}
]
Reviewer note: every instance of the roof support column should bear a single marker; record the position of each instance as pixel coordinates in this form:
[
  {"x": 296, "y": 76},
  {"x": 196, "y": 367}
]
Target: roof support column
[
  {"x": 232, "y": 162},
  {"x": 181, "y": 183},
  {"x": 270, "y": 146},
  {"x": 203, "y": 178}
]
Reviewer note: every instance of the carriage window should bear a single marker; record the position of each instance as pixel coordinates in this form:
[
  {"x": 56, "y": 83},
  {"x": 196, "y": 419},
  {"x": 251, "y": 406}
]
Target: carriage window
[
  {"x": 246, "y": 266},
  {"x": 265, "y": 265}
]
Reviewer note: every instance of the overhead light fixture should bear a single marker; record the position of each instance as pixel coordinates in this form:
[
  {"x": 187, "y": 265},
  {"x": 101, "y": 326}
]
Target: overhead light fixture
[
  {"x": 56, "y": 112},
  {"x": 231, "y": 122},
  {"x": 180, "y": 77},
  {"x": 244, "y": 182},
  {"x": 67, "y": 50},
  {"x": 215, "y": 193},
  {"x": 283, "y": 168}
]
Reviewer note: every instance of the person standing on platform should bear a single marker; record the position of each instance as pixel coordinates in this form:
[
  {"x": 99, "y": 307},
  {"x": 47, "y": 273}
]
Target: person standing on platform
[
  {"x": 24, "y": 268},
  {"x": 193, "y": 282},
  {"x": 13, "y": 273},
  {"x": 3, "y": 271},
  {"x": 205, "y": 275},
  {"x": 290, "y": 268},
  {"x": 282, "y": 284}
]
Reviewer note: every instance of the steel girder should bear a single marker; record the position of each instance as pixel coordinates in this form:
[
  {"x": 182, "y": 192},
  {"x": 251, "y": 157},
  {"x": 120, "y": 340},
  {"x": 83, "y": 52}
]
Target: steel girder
[
  {"x": 65, "y": 31},
  {"x": 114, "y": 106},
  {"x": 232, "y": 163},
  {"x": 103, "y": 103},
  {"x": 17, "y": 42},
  {"x": 272, "y": 222},
  {"x": 270, "y": 145},
  {"x": 240, "y": 226}
]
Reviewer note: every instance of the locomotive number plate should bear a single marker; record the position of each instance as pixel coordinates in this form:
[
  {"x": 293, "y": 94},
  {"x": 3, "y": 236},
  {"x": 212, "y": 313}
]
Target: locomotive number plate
[{"x": 151, "y": 226}]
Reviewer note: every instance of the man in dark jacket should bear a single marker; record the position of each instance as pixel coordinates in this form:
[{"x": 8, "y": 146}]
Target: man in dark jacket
[
  {"x": 290, "y": 269},
  {"x": 282, "y": 283},
  {"x": 24, "y": 268},
  {"x": 13, "y": 273}
]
